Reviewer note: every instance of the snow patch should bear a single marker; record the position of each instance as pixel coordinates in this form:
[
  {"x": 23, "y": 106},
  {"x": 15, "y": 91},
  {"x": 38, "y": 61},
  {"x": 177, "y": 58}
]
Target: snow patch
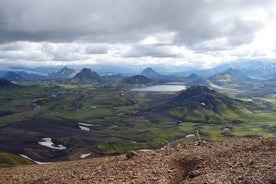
[
  {"x": 89, "y": 125},
  {"x": 85, "y": 155},
  {"x": 48, "y": 143},
  {"x": 145, "y": 150},
  {"x": 84, "y": 128},
  {"x": 25, "y": 156},
  {"x": 226, "y": 129},
  {"x": 190, "y": 135}
]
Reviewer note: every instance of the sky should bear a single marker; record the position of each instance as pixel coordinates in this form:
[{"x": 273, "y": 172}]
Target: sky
[{"x": 200, "y": 33}]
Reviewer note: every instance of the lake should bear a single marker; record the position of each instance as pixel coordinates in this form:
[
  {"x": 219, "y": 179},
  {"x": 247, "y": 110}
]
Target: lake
[{"x": 161, "y": 88}]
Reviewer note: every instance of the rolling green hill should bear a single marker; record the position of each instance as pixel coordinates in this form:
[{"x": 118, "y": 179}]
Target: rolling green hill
[
  {"x": 201, "y": 104},
  {"x": 8, "y": 160},
  {"x": 134, "y": 81},
  {"x": 231, "y": 78}
]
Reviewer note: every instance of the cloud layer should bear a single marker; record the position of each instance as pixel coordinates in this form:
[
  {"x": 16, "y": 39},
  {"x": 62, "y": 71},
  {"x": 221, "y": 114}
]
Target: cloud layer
[{"x": 177, "y": 32}]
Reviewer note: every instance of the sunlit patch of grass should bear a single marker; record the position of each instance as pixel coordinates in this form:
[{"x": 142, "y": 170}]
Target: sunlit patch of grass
[
  {"x": 68, "y": 85},
  {"x": 254, "y": 129},
  {"x": 179, "y": 112},
  {"x": 82, "y": 114},
  {"x": 8, "y": 160},
  {"x": 187, "y": 127},
  {"x": 211, "y": 132},
  {"x": 17, "y": 117}
]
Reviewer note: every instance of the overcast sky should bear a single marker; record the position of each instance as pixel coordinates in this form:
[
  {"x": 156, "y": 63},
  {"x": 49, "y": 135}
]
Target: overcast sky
[{"x": 201, "y": 33}]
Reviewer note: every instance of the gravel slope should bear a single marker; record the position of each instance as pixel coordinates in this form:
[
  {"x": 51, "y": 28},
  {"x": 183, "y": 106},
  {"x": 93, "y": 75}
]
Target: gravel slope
[{"x": 233, "y": 161}]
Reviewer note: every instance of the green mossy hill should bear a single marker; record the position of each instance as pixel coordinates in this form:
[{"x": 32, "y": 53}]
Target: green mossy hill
[
  {"x": 86, "y": 75},
  {"x": 5, "y": 84},
  {"x": 137, "y": 79},
  {"x": 134, "y": 81},
  {"x": 231, "y": 78},
  {"x": 201, "y": 96},
  {"x": 8, "y": 160},
  {"x": 202, "y": 103}
]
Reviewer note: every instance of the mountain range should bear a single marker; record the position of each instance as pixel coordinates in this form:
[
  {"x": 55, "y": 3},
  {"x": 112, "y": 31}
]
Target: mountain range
[
  {"x": 64, "y": 73},
  {"x": 254, "y": 69}
]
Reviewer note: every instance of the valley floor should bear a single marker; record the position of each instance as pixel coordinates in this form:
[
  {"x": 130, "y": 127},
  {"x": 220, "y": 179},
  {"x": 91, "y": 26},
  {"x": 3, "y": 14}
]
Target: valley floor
[{"x": 232, "y": 161}]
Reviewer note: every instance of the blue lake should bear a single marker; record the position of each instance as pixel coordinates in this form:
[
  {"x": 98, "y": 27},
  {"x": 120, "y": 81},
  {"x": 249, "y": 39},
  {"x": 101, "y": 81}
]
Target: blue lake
[{"x": 161, "y": 88}]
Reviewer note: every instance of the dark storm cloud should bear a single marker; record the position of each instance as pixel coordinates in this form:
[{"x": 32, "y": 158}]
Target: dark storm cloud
[
  {"x": 63, "y": 20},
  {"x": 97, "y": 49},
  {"x": 157, "y": 51},
  {"x": 241, "y": 32},
  {"x": 194, "y": 21}
]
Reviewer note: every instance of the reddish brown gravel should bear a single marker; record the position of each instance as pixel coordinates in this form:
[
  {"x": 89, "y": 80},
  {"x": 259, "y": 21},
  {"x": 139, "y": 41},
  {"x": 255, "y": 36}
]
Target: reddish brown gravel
[{"x": 235, "y": 161}]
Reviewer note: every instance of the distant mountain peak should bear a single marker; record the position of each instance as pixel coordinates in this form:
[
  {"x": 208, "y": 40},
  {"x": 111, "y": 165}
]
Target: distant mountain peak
[
  {"x": 14, "y": 76},
  {"x": 193, "y": 76},
  {"x": 150, "y": 73},
  {"x": 65, "y": 72},
  {"x": 231, "y": 77},
  {"x": 232, "y": 70},
  {"x": 87, "y": 74},
  {"x": 64, "y": 69},
  {"x": 149, "y": 69},
  {"x": 22, "y": 76}
]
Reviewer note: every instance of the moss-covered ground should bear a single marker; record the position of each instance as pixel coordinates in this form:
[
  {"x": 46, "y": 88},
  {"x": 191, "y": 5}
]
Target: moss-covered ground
[{"x": 119, "y": 113}]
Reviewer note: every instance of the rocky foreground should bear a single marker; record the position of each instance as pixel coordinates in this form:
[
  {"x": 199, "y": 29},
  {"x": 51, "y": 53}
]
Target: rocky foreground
[{"x": 234, "y": 161}]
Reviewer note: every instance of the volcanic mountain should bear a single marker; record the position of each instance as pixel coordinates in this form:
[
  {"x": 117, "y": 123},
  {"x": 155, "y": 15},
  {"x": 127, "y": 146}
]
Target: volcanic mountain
[
  {"x": 199, "y": 103},
  {"x": 151, "y": 74},
  {"x": 86, "y": 75}
]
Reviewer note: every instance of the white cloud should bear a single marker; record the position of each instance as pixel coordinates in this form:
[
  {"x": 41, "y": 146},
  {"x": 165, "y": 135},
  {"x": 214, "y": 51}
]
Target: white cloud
[
  {"x": 193, "y": 32},
  {"x": 159, "y": 38}
]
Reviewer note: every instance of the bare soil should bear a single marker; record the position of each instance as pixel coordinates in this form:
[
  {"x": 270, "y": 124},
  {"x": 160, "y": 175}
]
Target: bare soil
[{"x": 243, "y": 161}]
